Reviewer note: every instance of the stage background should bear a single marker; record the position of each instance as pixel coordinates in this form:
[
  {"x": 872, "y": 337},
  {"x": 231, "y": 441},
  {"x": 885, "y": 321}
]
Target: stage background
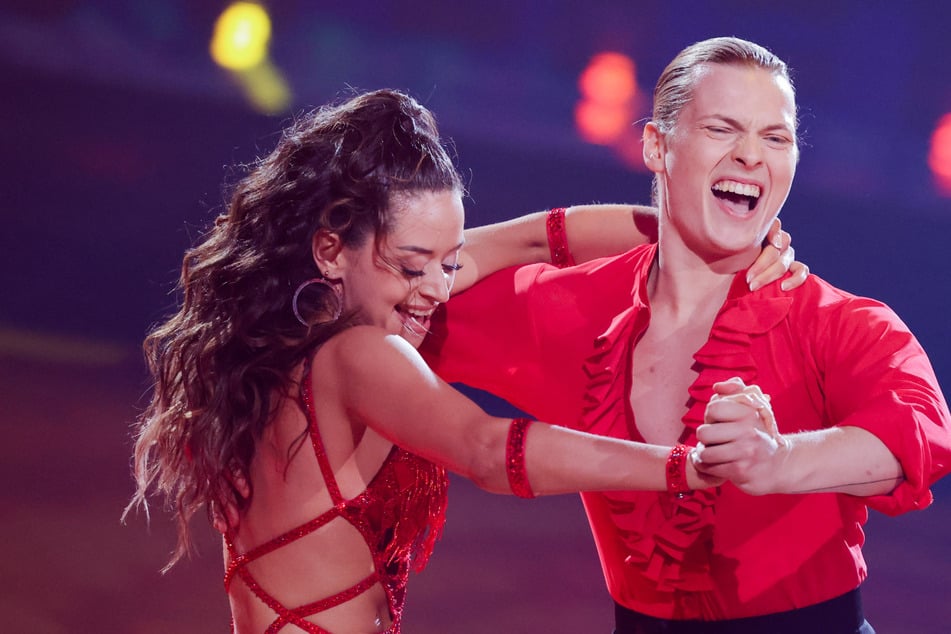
[{"x": 118, "y": 131}]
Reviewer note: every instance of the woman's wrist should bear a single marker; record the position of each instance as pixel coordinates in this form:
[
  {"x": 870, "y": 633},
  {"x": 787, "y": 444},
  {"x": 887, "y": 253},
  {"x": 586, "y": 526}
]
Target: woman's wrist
[
  {"x": 558, "y": 238},
  {"x": 676, "y": 470}
]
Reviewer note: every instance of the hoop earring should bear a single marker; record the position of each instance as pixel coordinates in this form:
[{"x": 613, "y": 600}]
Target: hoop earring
[{"x": 338, "y": 297}]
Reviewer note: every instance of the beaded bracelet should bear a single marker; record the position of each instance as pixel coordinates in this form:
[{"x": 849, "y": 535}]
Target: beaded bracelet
[
  {"x": 677, "y": 470},
  {"x": 558, "y": 238},
  {"x": 515, "y": 458}
]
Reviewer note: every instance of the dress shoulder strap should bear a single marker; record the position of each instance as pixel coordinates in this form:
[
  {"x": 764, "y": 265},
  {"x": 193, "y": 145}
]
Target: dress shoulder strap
[{"x": 307, "y": 399}]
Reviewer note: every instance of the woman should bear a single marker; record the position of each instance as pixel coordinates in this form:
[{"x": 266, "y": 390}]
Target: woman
[{"x": 289, "y": 398}]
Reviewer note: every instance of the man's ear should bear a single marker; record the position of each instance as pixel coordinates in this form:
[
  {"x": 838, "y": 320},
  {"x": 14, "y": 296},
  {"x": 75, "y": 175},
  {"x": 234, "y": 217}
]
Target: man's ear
[
  {"x": 327, "y": 249},
  {"x": 654, "y": 147}
]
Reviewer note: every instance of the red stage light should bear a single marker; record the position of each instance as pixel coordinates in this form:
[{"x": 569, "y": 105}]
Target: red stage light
[
  {"x": 600, "y": 124},
  {"x": 608, "y": 86},
  {"x": 609, "y": 78},
  {"x": 939, "y": 158}
]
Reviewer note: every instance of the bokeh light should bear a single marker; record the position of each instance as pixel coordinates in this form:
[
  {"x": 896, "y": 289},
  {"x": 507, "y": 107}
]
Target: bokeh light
[
  {"x": 609, "y": 78},
  {"x": 601, "y": 124},
  {"x": 939, "y": 158},
  {"x": 265, "y": 88},
  {"x": 241, "y": 36},
  {"x": 608, "y": 87}
]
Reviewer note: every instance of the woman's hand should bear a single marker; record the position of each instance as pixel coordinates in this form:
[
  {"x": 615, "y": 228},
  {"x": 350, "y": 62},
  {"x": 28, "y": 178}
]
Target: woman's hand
[
  {"x": 777, "y": 257},
  {"x": 696, "y": 478}
]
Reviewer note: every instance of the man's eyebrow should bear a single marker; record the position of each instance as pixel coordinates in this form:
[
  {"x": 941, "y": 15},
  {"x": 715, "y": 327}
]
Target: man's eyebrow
[{"x": 736, "y": 124}]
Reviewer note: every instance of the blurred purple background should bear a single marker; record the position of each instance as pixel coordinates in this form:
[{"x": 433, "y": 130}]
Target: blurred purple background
[{"x": 118, "y": 131}]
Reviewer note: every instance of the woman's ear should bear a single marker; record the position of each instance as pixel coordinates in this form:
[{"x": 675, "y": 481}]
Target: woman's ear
[
  {"x": 653, "y": 142},
  {"x": 327, "y": 249}
]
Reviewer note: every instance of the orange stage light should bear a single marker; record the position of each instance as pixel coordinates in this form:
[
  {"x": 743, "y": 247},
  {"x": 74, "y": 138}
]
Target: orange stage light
[
  {"x": 608, "y": 87},
  {"x": 609, "y": 78},
  {"x": 599, "y": 123},
  {"x": 939, "y": 158}
]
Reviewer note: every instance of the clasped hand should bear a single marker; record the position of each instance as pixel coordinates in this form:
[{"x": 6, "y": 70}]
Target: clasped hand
[{"x": 739, "y": 440}]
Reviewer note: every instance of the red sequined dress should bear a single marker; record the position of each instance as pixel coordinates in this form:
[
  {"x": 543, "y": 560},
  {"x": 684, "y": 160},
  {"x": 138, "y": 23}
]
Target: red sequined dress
[{"x": 400, "y": 515}]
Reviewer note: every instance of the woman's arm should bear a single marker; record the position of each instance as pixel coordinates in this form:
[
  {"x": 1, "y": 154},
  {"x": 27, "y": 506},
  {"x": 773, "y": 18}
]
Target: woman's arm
[
  {"x": 595, "y": 231},
  {"x": 390, "y": 389}
]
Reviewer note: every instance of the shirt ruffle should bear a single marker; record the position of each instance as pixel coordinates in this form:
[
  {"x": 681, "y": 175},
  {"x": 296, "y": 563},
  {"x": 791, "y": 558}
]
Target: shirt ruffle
[{"x": 669, "y": 539}]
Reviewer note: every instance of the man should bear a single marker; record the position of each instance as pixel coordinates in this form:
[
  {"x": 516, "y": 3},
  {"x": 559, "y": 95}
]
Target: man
[{"x": 641, "y": 346}]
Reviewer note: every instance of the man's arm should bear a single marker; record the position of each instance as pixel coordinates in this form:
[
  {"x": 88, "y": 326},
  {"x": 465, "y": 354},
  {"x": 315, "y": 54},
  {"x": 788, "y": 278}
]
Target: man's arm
[
  {"x": 891, "y": 437},
  {"x": 741, "y": 443}
]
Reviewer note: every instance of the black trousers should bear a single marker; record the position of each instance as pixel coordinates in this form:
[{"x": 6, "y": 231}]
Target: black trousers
[{"x": 841, "y": 615}]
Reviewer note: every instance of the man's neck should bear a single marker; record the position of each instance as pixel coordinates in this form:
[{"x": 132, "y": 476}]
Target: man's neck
[{"x": 684, "y": 286}]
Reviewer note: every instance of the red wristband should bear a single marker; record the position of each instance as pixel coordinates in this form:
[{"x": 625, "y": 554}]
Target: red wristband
[
  {"x": 515, "y": 458},
  {"x": 677, "y": 470},
  {"x": 558, "y": 239}
]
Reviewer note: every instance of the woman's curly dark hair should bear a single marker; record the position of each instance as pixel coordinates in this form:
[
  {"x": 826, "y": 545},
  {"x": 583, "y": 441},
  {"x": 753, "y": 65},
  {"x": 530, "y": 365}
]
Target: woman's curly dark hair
[{"x": 220, "y": 361}]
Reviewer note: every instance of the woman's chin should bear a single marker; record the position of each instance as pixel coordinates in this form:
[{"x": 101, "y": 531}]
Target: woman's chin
[
  {"x": 415, "y": 339},
  {"x": 413, "y": 330}
]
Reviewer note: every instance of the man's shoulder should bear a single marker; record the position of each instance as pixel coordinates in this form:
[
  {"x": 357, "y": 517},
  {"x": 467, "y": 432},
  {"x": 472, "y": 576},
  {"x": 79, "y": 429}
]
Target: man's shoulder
[{"x": 819, "y": 300}]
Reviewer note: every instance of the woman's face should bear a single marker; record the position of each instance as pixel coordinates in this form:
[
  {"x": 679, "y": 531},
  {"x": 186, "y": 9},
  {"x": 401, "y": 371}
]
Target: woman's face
[{"x": 397, "y": 284}]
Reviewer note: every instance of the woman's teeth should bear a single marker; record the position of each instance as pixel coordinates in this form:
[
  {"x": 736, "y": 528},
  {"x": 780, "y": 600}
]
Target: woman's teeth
[{"x": 414, "y": 322}]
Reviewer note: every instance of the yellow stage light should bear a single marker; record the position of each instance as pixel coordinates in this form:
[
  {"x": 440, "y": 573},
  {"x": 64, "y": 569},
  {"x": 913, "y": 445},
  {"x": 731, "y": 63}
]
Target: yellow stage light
[
  {"x": 265, "y": 88},
  {"x": 241, "y": 36}
]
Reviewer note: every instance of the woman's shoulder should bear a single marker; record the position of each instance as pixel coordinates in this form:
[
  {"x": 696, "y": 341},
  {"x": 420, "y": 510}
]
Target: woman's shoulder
[
  {"x": 366, "y": 364},
  {"x": 365, "y": 348}
]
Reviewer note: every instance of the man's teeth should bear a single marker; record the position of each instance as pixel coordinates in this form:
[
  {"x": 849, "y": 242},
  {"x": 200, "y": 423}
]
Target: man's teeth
[{"x": 742, "y": 189}]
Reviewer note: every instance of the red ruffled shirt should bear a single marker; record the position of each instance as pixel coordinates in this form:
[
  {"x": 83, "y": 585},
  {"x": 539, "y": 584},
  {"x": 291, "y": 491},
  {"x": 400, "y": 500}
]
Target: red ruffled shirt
[{"x": 556, "y": 343}]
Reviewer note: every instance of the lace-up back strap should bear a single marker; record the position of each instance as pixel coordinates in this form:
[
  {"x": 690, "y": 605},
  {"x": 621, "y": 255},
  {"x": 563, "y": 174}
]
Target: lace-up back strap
[
  {"x": 378, "y": 514},
  {"x": 238, "y": 562},
  {"x": 296, "y": 616}
]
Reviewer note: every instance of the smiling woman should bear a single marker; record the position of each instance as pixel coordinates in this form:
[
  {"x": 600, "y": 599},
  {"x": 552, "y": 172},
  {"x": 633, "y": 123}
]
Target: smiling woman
[{"x": 290, "y": 401}]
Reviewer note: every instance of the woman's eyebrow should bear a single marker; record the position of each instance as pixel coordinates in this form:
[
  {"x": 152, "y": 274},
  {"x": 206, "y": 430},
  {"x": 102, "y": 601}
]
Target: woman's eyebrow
[{"x": 424, "y": 251}]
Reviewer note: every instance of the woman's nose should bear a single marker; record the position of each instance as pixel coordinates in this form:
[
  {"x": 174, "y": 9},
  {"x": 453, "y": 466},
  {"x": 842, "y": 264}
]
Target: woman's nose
[{"x": 435, "y": 286}]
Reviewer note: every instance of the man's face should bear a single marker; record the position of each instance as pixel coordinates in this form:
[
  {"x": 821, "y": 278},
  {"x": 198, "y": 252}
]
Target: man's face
[{"x": 730, "y": 159}]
